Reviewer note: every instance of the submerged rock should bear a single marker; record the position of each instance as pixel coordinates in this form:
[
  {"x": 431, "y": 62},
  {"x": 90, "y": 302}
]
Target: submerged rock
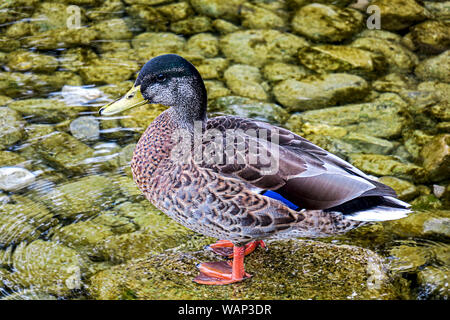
[
  {"x": 246, "y": 81},
  {"x": 279, "y": 71},
  {"x": 431, "y": 36},
  {"x": 258, "y": 47},
  {"x": 405, "y": 190},
  {"x": 47, "y": 266},
  {"x": 334, "y": 58},
  {"x": 436, "y": 157},
  {"x": 249, "y": 108},
  {"x": 32, "y": 61},
  {"x": 64, "y": 151},
  {"x": 326, "y": 23},
  {"x": 15, "y": 178},
  {"x": 381, "y": 118},
  {"x": 437, "y": 67},
  {"x": 399, "y": 58},
  {"x": 257, "y": 17},
  {"x": 399, "y": 14},
  {"x": 193, "y": 25},
  {"x": 204, "y": 44},
  {"x": 151, "y": 44},
  {"x": 218, "y": 8},
  {"x": 383, "y": 165},
  {"x": 85, "y": 128},
  {"x": 316, "y": 92},
  {"x": 314, "y": 271},
  {"x": 84, "y": 197},
  {"x": 23, "y": 220},
  {"x": 48, "y": 110},
  {"x": 11, "y": 127}
]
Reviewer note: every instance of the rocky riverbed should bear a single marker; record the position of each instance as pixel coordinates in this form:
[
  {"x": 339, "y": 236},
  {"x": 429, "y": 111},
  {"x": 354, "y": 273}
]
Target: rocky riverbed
[{"x": 73, "y": 225}]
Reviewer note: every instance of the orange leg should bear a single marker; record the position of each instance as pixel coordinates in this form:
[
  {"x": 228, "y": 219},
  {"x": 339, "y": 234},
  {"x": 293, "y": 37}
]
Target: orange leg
[
  {"x": 222, "y": 272},
  {"x": 225, "y": 247}
]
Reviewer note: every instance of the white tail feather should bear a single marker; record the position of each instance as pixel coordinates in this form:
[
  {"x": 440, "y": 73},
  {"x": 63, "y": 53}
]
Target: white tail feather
[{"x": 379, "y": 213}]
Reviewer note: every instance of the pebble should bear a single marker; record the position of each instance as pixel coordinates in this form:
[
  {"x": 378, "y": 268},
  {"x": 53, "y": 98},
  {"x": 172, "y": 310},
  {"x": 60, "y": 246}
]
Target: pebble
[{"x": 15, "y": 178}]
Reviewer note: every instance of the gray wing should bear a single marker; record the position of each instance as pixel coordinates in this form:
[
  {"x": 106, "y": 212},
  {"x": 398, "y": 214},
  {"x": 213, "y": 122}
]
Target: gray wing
[{"x": 306, "y": 175}]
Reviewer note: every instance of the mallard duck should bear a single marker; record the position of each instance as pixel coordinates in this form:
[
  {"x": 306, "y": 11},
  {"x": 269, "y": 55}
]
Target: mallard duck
[{"x": 242, "y": 200}]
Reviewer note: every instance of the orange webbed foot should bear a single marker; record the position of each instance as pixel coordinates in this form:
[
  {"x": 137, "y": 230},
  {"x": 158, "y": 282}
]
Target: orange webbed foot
[
  {"x": 225, "y": 247},
  {"x": 222, "y": 272}
]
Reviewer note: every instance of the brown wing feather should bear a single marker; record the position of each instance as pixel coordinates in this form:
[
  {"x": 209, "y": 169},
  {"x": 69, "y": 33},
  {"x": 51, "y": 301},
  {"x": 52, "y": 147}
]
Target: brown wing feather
[{"x": 307, "y": 175}]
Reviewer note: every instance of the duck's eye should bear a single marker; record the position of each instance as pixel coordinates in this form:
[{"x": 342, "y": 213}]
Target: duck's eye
[{"x": 160, "y": 78}]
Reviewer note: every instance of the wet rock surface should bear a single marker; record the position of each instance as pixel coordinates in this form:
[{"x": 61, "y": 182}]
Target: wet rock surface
[{"x": 324, "y": 275}]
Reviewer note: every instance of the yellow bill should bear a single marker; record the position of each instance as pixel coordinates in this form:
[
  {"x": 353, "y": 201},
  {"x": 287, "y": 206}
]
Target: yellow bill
[{"x": 131, "y": 99}]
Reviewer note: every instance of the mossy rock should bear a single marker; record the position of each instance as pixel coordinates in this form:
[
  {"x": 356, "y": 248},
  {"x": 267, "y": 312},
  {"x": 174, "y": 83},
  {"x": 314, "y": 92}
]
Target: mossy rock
[
  {"x": 23, "y": 220},
  {"x": 205, "y": 44},
  {"x": 64, "y": 151},
  {"x": 426, "y": 223},
  {"x": 405, "y": 190},
  {"x": 249, "y": 108},
  {"x": 399, "y": 14},
  {"x": 381, "y": 118},
  {"x": 190, "y": 26},
  {"x": 47, "y": 266},
  {"x": 436, "y": 157},
  {"x": 45, "y": 110},
  {"x": 84, "y": 197},
  {"x": 279, "y": 71},
  {"x": 246, "y": 81},
  {"x": 17, "y": 84},
  {"x": 259, "y": 47},
  {"x": 11, "y": 127},
  {"x": 138, "y": 119},
  {"x": 334, "y": 272},
  {"x": 218, "y": 8},
  {"x": 176, "y": 11},
  {"x": 430, "y": 37},
  {"x": 152, "y": 44},
  {"x": 258, "y": 17},
  {"x": 216, "y": 89},
  {"x": 32, "y": 61},
  {"x": 326, "y": 23},
  {"x": 316, "y": 92},
  {"x": 113, "y": 29},
  {"x": 399, "y": 58},
  {"x": 60, "y": 38},
  {"x": 334, "y": 58},
  {"x": 212, "y": 68},
  {"x": 435, "y": 68},
  {"x": 384, "y": 165}
]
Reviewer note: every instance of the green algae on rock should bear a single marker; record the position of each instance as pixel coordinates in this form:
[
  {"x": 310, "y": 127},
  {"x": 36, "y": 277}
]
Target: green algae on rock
[
  {"x": 399, "y": 14},
  {"x": 338, "y": 58},
  {"x": 357, "y": 274},
  {"x": 11, "y": 127},
  {"x": 258, "y": 47},
  {"x": 405, "y": 190},
  {"x": 84, "y": 197},
  {"x": 279, "y": 71},
  {"x": 381, "y": 118},
  {"x": 46, "y": 266},
  {"x": 316, "y": 92},
  {"x": 258, "y": 17},
  {"x": 246, "y": 81},
  {"x": 326, "y": 23},
  {"x": 384, "y": 165},
  {"x": 430, "y": 36},
  {"x": 435, "y": 68},
  {"x": 32, "y": 61},
  {"x": 46, "y": 110},
  {"x": 436, "y": 157}
]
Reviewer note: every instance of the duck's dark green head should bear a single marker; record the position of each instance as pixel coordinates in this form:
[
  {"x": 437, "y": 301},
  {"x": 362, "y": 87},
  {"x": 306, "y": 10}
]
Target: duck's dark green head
[{"x": 169, "y": 80}]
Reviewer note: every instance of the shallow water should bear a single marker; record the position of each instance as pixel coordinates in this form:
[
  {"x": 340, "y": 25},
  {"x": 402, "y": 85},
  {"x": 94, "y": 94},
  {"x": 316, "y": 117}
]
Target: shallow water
[{"x": 70, "y": 213}]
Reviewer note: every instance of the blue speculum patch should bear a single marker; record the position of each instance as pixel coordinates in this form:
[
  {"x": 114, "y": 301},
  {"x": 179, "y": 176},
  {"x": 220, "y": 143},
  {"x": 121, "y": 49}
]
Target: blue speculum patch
[{"x": 279, "y": 197}]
